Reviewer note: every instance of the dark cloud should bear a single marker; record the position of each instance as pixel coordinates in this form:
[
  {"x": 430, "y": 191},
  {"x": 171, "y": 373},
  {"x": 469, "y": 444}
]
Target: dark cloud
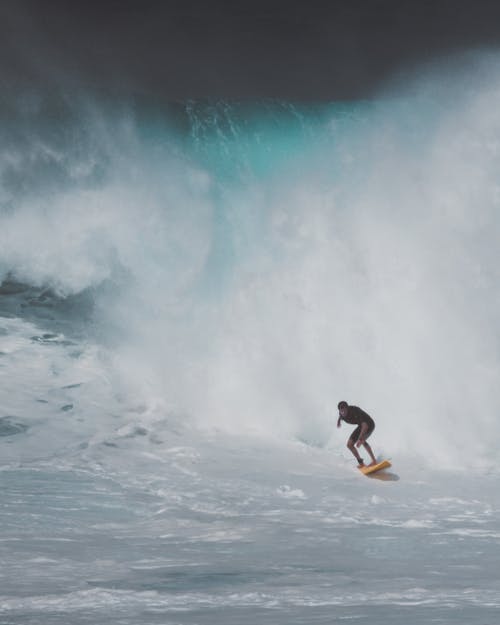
[{"x": 285, "y": 49}]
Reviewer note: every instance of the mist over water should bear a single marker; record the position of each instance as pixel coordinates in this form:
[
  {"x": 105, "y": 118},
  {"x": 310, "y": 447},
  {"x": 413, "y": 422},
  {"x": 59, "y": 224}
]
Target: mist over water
[
  {"x": 246, "y": 266},
  {"x": 187, "y": 290}
]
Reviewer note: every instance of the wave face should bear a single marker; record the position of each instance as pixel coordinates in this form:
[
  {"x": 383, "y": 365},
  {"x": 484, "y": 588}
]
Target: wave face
[{"x": 246, "y": 266}]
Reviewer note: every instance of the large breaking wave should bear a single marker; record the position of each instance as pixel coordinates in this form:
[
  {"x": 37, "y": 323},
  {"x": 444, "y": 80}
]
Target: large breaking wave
[{"x": 247, "y": 266}]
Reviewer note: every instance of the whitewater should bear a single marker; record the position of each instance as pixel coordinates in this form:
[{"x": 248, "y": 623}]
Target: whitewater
[{"x": 188, "y": 289}]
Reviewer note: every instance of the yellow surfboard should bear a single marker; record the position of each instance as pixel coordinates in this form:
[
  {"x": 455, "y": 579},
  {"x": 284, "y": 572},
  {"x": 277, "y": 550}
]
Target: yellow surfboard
[{"x": 384, "y": 464}]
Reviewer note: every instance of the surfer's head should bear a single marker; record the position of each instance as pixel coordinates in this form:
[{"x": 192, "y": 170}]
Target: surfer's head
[{"x": 343, "y": 406}]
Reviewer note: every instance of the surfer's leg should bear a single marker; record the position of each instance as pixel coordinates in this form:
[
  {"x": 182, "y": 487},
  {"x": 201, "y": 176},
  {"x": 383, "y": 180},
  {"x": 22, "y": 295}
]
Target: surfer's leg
[
  {"x": 367, "y": 446},
  {"x": 369, "y": 450},
  {"x": 351, "y": 445}
]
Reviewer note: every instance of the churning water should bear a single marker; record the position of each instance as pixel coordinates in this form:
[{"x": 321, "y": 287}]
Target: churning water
[{"x": 187, "y": 292}]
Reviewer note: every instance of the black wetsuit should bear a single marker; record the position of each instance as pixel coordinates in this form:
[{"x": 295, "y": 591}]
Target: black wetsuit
[{"x": 356, "y": 416}]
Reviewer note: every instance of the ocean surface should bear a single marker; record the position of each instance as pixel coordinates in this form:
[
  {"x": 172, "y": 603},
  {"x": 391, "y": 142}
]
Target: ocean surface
[{"x": 188, "y": 289}]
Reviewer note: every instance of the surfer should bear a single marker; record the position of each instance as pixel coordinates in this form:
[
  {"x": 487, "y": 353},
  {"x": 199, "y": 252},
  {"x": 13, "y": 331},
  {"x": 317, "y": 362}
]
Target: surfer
[{"x": 366, "y": 425}]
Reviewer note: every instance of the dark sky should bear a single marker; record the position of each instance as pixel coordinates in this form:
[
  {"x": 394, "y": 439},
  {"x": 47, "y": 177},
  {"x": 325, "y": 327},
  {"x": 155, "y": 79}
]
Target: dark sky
[{"x": 306, "y": 50}]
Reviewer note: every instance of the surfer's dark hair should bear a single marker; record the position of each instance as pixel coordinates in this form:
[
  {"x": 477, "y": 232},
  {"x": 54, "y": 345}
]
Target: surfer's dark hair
[{"x": 342, "y": 403}]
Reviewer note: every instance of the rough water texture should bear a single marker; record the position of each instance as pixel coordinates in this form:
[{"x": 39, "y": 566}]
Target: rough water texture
[{"x": 187, "y": 292}]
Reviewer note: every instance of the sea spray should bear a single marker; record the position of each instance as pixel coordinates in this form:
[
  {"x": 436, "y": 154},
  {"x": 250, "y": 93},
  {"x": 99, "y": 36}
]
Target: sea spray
[{"x": 250, "y": 265}]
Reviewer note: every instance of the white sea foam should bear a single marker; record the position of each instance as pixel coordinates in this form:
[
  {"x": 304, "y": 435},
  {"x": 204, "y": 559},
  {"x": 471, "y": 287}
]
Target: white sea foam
[
  {"x": 339, "y": 280},
  {"x": 169, "y": 379}
]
